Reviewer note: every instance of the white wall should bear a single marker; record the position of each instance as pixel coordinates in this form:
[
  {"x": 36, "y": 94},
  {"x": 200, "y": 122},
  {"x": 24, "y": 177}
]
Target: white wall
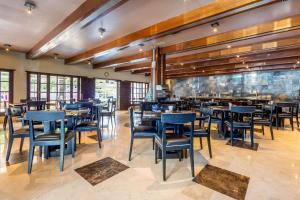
[{"x": 18, "y": 62}]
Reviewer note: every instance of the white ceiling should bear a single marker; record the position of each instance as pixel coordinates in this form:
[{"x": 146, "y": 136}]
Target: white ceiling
[{"x": 24, "y": 30}]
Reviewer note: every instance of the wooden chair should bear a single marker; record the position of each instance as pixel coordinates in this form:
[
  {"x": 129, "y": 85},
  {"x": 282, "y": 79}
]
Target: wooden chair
[
  {"x": 21, "y": 133},
  {"x": 86, "y": 126},
  {"x": 202, "y": 132},
  {"x": 265, "y": 118},
  {"x": 284, "y": 111},
  {"x": 178, "y": 142},
  {"x": 139, "y": 132},
  {"x": 237, "y": 122},
  {"x": 50, "y": 136}
]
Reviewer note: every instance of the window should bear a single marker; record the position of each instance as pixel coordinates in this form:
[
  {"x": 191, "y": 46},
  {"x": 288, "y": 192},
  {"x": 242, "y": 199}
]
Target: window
[
  {"x": 106, "y": 89},
  {"x": 53, "y": 87},
  {"x": 138, "y": 92},
  {"x": 5, "y": 91}
]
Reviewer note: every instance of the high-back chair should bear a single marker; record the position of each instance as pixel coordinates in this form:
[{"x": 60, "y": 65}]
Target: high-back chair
[
  {"x": 21, "y": 133},
  {"x": 139, "y": 132},
  {"x": 285, "y": 110},
  {"x": 204, "y": 132},
  {"x": 87, "y": 126},
  {"x": 50, "y": 137},
  {"x": 238, "y": 122},
  {"x": 265, "y": 118},
  {"x": 179, "y": 142}
]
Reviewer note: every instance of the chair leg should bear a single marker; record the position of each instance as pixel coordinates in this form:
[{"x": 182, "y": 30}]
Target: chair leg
[
  {"x": 153, "y": 143},
  {"x": 30, "y": 158},
  {"x": 252, "y": 137},
  {"x": 21, "y": 144},
  {"x": 130, "y": 148},
  {"x": 297, "y": 120},
  {"x": 192, "y": 161},
  {"x": 209, "y": 146},
  {"x": 263, "y": 130},
  {"x": 277, "y": 121},
  {"x": 9, "y": 146},
  {"x": 292, "y": 124},
  {"x": 155, "y": 152},
  {"x": 164, "y": 164},
  {"x": 99, "y": 137},
  {"x": 79, "y": 137},
  {"x": 73, "y": 147},
  {"x": 201, "y": 145},
  {"x": 271, "y": 131},
  {"x": 62, "y": 155},
  {"x": 5, "y": 123},
  {"x": 231, "y": 137}
]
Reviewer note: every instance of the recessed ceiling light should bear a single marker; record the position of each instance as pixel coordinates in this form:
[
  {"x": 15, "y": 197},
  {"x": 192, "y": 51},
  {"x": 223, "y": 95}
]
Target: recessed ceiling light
[
  {"x": 228, "y": 46},
  {"x": 7, "y": 47},
  {"x": 298, "y": 62},
  {"x": 30, "y": 5},
  {"x": 203, "y": 71},
  {"x": 181, "y": 64},
  {"x": 237, "y": 56}
]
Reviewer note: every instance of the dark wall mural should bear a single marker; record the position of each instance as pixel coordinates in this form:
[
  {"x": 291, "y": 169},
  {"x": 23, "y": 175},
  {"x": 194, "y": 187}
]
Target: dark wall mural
[{"x": 272, "y": 85}]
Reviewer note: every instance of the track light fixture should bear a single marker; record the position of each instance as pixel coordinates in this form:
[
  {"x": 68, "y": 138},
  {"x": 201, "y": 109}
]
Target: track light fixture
[{"x": 30, "y": 5}]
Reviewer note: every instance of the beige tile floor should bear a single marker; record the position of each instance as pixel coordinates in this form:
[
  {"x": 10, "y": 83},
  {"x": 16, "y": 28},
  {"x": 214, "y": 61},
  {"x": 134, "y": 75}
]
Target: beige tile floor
[{"x": 274, "y": 170}]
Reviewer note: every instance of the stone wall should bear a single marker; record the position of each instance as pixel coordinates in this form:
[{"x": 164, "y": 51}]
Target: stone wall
[{"x": 272, "y": 84}]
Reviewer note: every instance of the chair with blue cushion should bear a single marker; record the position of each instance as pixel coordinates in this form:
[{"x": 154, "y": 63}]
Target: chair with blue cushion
[
  {"x": 51, "y": 136},
  {"x": 175, "y": 142},
  {"x": 265, "y": 118},
  {"x": 139, "y": 132},
  {"x": 87, "y": 126},
  {"x": 241, "y": 118},
  {"x": 202, "y": 131},
  {"x": 21, "y": 133}
]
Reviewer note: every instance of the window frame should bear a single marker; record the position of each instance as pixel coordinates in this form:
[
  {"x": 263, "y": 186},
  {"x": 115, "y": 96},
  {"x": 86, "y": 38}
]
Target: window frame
[
  {"x": 138, "y": 90},
  {"x": 48, "y": 83}
]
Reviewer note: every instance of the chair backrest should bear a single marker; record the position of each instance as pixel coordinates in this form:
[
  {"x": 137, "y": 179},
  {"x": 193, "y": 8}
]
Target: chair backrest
[
  {"x": 287, "y": 107},
  {"x": 178, "y": 118},
  {"x": 71, "y": 106},
  {"x": 268, "y": 110},
  {"x": 38, "y": 105},
  {"x": 10, "y": 113},
  {"x": 243, "y": 109},
  {"x": 45, "y": 116},
  {"x": 48, "y": 118},
  {"x": 207, "y": 113}
]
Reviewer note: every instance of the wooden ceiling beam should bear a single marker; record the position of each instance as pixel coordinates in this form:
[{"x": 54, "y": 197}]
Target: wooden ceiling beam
[
  {"x": 123, "y": 60},
  {"x": 205, "y": 14},
  {"x": 85, "y": 14},
  {"x": 235, "y": 71},
  {"x": 141, "y": 71},
  {"x": 284, "y": 61},
  {"x": 267, "y": 46},
  {"x": 270, "y": 28},
  {"x": 133, "y": 67},
  {"x": 263, "y": 57}
]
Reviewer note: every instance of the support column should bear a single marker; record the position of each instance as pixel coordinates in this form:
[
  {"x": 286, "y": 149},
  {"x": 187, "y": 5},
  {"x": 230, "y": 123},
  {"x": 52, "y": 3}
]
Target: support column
[
  {"x": 163, "y": 69},
  {"x": 156, "y": 72}
]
